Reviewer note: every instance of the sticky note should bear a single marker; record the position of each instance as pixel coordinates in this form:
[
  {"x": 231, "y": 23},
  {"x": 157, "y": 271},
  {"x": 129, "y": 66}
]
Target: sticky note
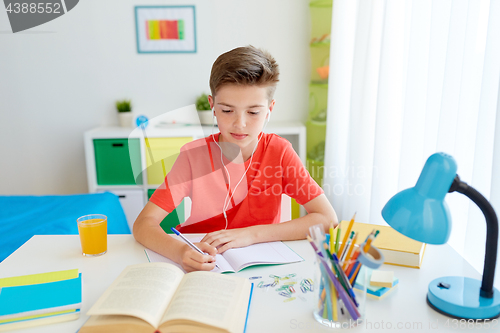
[{"x": 382, "y": 279}]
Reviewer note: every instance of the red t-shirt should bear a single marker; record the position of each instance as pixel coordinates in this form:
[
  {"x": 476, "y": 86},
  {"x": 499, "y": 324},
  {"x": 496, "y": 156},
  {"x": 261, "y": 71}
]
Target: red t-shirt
[{"x": 255, "y": 195}]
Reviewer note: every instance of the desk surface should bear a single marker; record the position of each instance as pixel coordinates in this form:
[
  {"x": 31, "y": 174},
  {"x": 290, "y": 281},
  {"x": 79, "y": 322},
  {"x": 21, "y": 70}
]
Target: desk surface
[{"x": 404, "y": 309}]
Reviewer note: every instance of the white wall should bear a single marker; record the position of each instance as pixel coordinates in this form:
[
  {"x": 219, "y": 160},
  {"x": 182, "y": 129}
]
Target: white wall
[{"x": 60, "y": 79}]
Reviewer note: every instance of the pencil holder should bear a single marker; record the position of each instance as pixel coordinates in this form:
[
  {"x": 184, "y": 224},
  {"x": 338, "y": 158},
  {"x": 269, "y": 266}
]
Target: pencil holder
[{"x": 338, "y": 303}]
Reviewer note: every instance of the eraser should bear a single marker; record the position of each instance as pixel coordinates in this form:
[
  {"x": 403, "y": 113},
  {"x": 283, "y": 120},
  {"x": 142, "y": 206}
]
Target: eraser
[{"x": 382, "y": 279}]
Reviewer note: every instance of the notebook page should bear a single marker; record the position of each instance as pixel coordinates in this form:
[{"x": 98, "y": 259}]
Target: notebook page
[
  {"x": 261, "y": 253},
  {"x": 224, "y": 266}
]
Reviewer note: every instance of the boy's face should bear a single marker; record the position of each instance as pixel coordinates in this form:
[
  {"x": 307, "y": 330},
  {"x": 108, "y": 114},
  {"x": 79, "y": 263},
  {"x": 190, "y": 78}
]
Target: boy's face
[{"x": 241, "y": 113}]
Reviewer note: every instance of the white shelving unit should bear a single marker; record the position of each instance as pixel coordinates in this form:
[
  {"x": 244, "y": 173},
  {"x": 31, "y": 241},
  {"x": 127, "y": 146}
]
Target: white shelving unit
[{"x": 134, "y": 197}]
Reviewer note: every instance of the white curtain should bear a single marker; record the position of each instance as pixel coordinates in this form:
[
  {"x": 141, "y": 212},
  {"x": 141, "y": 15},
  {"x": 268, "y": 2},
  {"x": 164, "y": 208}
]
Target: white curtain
[{"x": 408, "y": 79}]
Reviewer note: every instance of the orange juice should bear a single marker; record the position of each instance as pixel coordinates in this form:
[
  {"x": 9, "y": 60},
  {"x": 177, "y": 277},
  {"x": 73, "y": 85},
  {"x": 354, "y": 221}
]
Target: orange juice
[{"x": 93, "y": 234}]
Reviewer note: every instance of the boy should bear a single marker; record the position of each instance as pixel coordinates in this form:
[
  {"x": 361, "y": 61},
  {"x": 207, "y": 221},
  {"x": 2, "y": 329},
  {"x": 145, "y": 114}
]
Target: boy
[{"x": 234, "y": 178}]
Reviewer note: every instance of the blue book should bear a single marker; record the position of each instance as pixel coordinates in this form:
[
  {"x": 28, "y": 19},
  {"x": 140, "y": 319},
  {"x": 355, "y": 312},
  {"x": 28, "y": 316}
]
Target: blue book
[{"x": 37, "y": 299}]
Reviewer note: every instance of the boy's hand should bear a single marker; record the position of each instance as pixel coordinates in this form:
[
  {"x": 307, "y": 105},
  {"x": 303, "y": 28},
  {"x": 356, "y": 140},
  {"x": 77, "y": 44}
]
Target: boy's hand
[
  {"x": 227, "y": 239},
  {"x": 192, "y": 260}
]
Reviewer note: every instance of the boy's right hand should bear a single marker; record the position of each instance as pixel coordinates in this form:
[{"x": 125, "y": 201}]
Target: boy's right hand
[{"x": 192, "y": 260}]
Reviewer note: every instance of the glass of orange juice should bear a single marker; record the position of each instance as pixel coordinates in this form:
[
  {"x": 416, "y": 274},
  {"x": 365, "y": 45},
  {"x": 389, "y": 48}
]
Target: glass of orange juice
[{"x": 93, "y": 230}]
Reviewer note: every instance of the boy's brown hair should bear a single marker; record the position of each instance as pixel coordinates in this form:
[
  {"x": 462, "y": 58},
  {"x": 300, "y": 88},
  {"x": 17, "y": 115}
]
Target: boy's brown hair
[{"x": 246, "y": 65}]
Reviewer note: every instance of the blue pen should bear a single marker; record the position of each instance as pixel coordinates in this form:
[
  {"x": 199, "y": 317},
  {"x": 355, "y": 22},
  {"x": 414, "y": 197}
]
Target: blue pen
[{"x": 188, "y": 242}]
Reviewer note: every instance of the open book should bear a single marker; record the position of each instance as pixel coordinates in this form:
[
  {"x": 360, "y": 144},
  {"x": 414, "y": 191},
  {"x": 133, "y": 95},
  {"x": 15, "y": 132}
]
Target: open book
[
  {"x": 234, "y": 260},
  {"x": 167, "y": 300}
]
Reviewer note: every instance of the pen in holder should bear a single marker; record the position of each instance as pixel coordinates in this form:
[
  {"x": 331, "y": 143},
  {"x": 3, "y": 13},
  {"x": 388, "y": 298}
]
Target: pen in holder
[{"x": 340, "y": 302}]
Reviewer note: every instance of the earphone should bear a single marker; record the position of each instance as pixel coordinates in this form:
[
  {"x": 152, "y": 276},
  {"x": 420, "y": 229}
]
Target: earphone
[{"x": 226, "y": 201}]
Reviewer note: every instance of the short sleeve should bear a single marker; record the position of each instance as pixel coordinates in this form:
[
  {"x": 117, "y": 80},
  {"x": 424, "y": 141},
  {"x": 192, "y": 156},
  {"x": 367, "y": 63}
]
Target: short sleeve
[
  {"x": 297, "y": 182},
  {"x": 177, "y": 184}
]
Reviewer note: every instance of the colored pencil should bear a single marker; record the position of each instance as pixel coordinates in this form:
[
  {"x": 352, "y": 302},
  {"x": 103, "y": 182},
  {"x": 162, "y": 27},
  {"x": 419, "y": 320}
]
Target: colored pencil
[
  {"x": 349, "y": 252},
  {"x": 346, "y": 236},
  {"x": 331, "y": 237},
  {"x": 348, "y": 302},
  {"x": 355, "y": 274},
  {"x": 368, "y": 244},
  {"x": 334, "y": 301}
]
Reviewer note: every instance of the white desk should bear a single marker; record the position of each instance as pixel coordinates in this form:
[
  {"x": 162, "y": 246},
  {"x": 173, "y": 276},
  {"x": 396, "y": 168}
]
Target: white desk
[{"x": 405, "y": 306}]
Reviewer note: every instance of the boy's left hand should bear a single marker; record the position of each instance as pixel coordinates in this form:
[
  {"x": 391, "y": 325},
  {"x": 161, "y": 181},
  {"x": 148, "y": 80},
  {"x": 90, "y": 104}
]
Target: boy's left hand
[{"x": 227, "y": 239}]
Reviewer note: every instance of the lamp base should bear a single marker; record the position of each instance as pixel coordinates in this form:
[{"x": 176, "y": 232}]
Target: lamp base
[{"x": 458, "y": 297}]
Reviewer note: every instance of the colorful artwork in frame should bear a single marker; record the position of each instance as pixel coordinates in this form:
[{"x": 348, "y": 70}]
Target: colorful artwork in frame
[{"x": 165, "y": 29}]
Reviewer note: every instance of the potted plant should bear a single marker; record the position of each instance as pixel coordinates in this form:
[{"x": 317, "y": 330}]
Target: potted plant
[
  {"x": 204, "y": 112},
  {"x": 125, "y": 115}
]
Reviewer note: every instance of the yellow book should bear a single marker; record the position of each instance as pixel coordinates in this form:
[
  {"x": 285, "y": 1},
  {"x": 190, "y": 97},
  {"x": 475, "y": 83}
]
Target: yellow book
[
  {"x": 160, "y": 297},
  {"x": 397, "y": 249},
  {"x": 26, "y": 280},
  {"x": 38, "y": 320}
]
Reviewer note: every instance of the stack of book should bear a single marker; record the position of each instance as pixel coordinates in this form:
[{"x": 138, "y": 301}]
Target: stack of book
[
  {"x": 397, "y": 249},
  {"x": 39, "y": 299}
]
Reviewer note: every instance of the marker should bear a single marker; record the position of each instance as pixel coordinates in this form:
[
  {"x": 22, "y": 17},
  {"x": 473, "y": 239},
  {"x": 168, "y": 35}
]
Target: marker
[{"x": 189, "y": 242}]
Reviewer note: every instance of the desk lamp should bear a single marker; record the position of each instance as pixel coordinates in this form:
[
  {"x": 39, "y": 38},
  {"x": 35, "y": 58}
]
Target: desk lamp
[{"x": 422, "y": 214}]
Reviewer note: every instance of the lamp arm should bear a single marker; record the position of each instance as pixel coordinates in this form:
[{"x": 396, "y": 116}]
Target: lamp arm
[{"x": 490, "y": 257}]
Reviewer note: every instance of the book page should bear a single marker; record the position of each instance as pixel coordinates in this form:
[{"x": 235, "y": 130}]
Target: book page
[
  {"x": 211, "y": 299},
  {"x": 142, "y": 291},
  {"x": 261, "y": 253}
]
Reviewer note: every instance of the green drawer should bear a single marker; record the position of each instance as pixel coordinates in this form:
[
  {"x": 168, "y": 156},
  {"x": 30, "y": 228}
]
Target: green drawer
[
  {"x": 114, "y": 163},
  {"x": 172, "y": 219}
]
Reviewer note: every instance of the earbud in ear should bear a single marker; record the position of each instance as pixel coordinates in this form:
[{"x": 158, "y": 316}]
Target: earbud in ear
[
  {"x": 213, "y": 111},
  {"x": 268, "y": 115}
]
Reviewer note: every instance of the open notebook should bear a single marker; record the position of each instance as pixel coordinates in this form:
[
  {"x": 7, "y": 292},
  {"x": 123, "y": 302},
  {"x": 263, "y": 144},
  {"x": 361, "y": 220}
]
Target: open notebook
[{"x": 234, "y": 260}]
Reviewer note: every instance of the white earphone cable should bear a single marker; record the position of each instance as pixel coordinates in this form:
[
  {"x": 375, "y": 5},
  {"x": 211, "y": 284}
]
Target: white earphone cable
[{"x": 226, "y": 201}]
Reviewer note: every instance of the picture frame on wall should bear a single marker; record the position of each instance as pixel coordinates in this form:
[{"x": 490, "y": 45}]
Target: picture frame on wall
[{"x": 165, "y": 29}]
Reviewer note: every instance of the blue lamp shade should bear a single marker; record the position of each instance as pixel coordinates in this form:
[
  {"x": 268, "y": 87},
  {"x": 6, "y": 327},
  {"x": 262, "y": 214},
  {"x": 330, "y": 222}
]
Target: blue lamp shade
[{"x": 420, "y": 212}]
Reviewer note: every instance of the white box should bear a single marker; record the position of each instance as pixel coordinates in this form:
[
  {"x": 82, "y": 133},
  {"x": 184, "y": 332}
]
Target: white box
[{"x": 132, "y": 202}]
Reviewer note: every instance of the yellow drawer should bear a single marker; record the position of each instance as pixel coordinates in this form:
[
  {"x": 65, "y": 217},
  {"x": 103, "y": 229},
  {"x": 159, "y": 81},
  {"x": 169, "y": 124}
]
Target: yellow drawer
[
  {"x": 295, "y": 209},
  {"x": 161, "y": 154}
]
